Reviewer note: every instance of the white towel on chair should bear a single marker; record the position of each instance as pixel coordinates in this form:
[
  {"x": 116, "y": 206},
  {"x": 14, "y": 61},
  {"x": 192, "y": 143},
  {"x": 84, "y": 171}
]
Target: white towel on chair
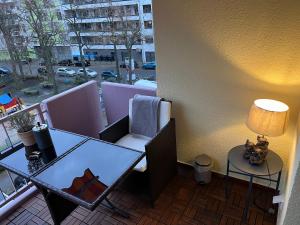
[{"x": 145, "y": 115}]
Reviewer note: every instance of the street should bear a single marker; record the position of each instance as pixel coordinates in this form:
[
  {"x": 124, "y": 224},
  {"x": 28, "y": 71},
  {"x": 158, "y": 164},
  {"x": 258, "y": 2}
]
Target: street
[
  {"x": 99, "y": 67},
  {"x": 64, "y": 83}
]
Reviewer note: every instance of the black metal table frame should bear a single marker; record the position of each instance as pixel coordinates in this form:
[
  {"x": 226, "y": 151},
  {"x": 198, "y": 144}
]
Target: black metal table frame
[{"x": 249, "y": 192}]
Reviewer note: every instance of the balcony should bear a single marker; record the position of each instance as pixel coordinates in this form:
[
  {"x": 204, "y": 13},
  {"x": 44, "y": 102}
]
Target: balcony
[
  {"x": 214, "y": 58},
  {"x": 183, "y": 201}
]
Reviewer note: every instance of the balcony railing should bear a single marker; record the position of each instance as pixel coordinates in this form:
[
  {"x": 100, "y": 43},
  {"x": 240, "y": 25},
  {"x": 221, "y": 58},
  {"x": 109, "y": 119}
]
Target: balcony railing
[{"x": 11, "y": 185}]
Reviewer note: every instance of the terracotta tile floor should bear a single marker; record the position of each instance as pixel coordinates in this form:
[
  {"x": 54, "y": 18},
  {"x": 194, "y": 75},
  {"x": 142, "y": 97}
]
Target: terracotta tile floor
[{"x": 183, "y": 202}]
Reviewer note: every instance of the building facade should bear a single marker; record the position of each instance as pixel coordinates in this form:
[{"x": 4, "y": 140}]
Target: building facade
[
  {"x": 22, "y": 33},
  {"x": 14, "y": 29},
  {"x": 91, "y": 16}
]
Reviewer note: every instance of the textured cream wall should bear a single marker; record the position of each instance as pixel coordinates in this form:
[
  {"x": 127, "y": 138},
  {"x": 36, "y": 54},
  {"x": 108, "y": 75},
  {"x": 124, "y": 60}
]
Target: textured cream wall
[{"x": 216, "y": 57}]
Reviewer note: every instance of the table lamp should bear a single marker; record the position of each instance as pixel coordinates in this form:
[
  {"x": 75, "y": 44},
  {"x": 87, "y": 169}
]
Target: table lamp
[{"x": 267, "y": 117}]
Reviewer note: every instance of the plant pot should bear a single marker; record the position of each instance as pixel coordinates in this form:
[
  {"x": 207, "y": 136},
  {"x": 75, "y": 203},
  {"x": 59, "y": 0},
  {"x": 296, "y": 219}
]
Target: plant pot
[{"x": 27, "y": 138}]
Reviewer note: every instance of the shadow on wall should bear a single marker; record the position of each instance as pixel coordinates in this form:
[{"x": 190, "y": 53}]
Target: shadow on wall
[
  {"x": 216, "y": 116},
  {"x": 214, "y": 80},
  {"x": 262, "y": 41},
  {"x": 224, "y": 92}
]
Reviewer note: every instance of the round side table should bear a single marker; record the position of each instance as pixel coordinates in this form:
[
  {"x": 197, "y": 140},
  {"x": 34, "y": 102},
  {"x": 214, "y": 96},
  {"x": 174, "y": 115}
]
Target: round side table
[{"x": 271, "y": 166}]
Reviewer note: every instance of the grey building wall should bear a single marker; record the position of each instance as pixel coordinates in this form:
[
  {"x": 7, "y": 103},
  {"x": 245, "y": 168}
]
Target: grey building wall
[{"x": 59, "y": 52}]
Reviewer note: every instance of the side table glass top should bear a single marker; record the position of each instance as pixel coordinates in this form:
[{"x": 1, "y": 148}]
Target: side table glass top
[
  {"x": 271, "y": 166},
  {"x": 107, "y": 162},
  {"x": 17, "y": 162}
]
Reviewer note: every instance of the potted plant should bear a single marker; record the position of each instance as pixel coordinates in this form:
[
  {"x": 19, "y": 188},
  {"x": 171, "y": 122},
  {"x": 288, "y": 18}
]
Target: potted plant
[{"x": 23, "y": 122}]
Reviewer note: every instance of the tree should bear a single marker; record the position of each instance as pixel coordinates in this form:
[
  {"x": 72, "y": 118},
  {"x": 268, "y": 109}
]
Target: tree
[
  {"x": 73, "y": 20},
  {"x": 26, "y": 53},
  {"x": 122, "y": 31},
  {"x": 111, "y": 15},
  {"x": 130, "y": 35},
  {"x": 46, "y": 30},
  {"x": 9, "y": 27}
]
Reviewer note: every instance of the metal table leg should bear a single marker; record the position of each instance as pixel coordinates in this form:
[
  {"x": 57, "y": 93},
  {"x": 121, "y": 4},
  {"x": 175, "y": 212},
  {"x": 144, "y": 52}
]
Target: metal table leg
[
  {"x": 59, "y": 207},
  {"x": 226, "y": 180},
  {"x": 121, "y": 212},
  {"x": 248, "y": 200},
  {"x": 278, "y": 182}
]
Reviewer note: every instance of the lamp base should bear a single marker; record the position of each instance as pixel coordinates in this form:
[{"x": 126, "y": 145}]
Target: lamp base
[{"x": 256, "y": 153}]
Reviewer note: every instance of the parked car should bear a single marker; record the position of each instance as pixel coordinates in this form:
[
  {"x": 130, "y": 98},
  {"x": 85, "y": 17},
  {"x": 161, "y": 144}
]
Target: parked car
[
  {"x": 65, "y": 62},
  {"x": 108, "y": 74},
  {"x": 66, "y": 72},
  {"x": 6, "y": 68},
  {"x": 123, "y": 65},
  {"x": 149, "y": 66},
  {"x": 79, "y": 63},
  {"x": 4, "y": 71},
  {"x": 89, "y": 72}
]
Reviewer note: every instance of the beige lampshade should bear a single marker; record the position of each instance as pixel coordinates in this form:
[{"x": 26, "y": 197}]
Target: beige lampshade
[{"x": 268, "y": 117}]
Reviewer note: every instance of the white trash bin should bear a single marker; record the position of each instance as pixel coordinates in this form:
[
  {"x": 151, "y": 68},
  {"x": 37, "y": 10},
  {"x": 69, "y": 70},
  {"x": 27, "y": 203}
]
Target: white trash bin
[{"x": 202, "y": 166}]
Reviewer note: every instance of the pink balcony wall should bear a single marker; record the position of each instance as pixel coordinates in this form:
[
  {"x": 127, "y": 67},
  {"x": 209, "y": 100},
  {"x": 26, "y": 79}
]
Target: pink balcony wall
[
  {"x": 116, "y": 98},
  {"x": 76, "y": 110}
]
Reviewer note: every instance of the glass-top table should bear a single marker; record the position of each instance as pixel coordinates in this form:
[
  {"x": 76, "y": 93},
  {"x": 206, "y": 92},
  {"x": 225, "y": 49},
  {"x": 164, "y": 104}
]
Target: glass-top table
[
  {"x": 18, "y": 163},
  {"x": 84, "y": 172},
  {"x": 106, "y": 161}
]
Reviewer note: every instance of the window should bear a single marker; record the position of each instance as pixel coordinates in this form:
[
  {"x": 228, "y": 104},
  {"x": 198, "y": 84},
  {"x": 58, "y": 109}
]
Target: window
[
  {"x": 148, "y": 24},
  {"x": 149, "y": 40},
  {"x": 131, "y": 10},
  {"x": 147, "y": 9},
  {"x": 150, "y": 56}
]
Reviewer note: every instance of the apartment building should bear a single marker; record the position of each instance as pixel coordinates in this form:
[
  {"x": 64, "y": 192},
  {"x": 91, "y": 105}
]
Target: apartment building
[
  {"x": 16, "y": 29},
  {"x": 91, "y": 16},
  {"x": 22, "y": 36}
]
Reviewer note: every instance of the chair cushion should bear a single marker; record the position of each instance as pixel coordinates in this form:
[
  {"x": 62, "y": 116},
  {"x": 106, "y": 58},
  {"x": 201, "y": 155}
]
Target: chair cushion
[
  {"x": 136, "y": 142},
  {"x": 164, "y": 113}
]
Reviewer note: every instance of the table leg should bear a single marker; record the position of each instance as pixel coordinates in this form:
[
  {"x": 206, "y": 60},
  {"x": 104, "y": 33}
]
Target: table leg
[
  {"x": 278, "y": 182},
  {"x": 113, "y": 207},
  {"x": 248, "y": 199},
  {"x": 59, "y": 207},
  {"x": 226, "y": 180}
]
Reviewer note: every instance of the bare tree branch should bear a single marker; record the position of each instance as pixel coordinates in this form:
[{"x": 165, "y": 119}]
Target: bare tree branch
[
  {"x": 14, "y": 41},
  {"x": 46, "y": 30},
  {"x": 122, "y": 31},
  {"x": 73, "y": 21}
]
